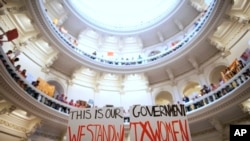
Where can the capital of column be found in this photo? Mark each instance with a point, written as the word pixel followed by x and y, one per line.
pixel 70 82
pixel 52 59
pixel 199 5
pixel 7 109
pixel 35 123
pixel 45 69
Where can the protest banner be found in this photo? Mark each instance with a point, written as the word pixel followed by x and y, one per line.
pixel 96 124
pixel 159 123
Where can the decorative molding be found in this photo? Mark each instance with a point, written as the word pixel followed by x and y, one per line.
pixel 13 92
pixel 8 110
pixel 35 124
pixel 218 125
pixel 52 59
pixel 199 5
pixel 12 126
pixel 45 69
pixel 46 28
pixel 10 90
pixel 203 132
pixel 225 126
pixel 47 135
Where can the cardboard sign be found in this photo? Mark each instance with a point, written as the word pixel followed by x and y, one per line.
pixel 159 123
pixel 96 124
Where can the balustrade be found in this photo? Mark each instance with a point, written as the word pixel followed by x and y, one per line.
pixel 188 37
pixel 201 102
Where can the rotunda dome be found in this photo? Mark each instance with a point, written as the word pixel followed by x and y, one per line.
pixel 124 16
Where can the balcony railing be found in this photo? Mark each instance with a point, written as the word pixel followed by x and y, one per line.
pixel 222 91
pixel 214 96
pixel 199 24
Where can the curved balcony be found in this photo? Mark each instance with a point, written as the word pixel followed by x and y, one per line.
pixel 199 24
pixel 233 92
pixel 62 43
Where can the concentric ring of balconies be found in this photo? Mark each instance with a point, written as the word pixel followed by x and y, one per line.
pixel 198 25
pixel 236 88
pixel 119 66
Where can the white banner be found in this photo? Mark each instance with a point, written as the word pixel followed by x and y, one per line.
pixel 159 123
pixel 96 124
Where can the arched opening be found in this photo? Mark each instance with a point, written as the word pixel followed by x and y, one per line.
pixel 163 98
pixel 58 87
pixel 191 89
pixel 215 75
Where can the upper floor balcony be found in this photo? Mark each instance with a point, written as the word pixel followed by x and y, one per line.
pixel 223 103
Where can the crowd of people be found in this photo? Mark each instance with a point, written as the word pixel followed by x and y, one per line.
pixel 13 58
pixel 78 103
pixel 207 89
pixel 19 75
pixel 22 72
pixel 63 98
pixel 147 55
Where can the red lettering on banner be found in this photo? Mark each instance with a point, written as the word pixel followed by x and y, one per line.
pixel 169 131
pixel 92 133
pixel 97 133
pixel 134 124
pixel 166 131
pixel 116 135
pixel 145 131
pixel 73 137
pixel 184 131
pixel 175 132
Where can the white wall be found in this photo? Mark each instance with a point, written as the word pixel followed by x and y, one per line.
pixel 103 98
pixel 137 97
pixel 77 92
pixel 239 48
pixel 32 68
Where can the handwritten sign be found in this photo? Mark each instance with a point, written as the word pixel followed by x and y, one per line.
pixel 159 123
pixel 96 124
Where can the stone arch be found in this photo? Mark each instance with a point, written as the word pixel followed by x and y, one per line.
pixel 211 69
pixel 163 98
pixel 191 89
pixel 215 74
pixel 58 87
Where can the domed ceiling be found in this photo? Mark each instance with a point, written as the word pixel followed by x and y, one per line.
pixel 171 34
pixel 124 16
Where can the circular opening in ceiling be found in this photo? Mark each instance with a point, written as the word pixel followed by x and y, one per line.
pixel 124 15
